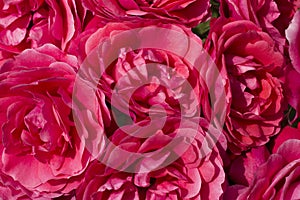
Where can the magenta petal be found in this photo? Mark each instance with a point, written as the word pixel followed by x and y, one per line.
pixel 293 88
pixel 36 172
pixel 129 4
pixel 27 58
pixel 293 36
pixel 294 191
pixel 16 32
pixel 286 134
pixel 233 192
pixel 290 150
pixel 243 169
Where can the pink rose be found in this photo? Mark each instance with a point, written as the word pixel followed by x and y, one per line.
pixel 189 12
pixel 151 102
pixel 187 178
pixel 41 153
pixel 262 13
pixel 252 62
pixel 32 23
pixel 278 177
pixel 156 84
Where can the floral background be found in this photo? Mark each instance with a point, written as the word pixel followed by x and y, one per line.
pixel 49 153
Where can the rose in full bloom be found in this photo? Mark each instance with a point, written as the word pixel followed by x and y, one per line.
pixel 252 62
pixel 278 177
pixel 272 16
pixel 170 82
pixel 161 104
pixel 187 178
pixel 41 153
pixel 263 13
pixel 32 23
pixel 189 12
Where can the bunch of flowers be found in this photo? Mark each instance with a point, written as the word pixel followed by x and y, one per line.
pixel 150 99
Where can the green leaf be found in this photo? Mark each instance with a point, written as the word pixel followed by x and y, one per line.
pixel 215 6
pixel 202 30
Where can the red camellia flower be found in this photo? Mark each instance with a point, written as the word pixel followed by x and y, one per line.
pixel 41 153
pixel 251 60
pixel 32 23
pixel 189 12
pixel 278 177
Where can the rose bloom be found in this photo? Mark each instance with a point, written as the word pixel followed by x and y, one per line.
pixel 278 176
pixel 172 83
pixel 32 23
pixel 155 108
pixel 41 153
pixel 252 61
pixel 272 16
pixel 183 77
pixel 187 178
pixel 189 12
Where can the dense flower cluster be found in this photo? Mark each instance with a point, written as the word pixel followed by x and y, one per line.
pixel 150 99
